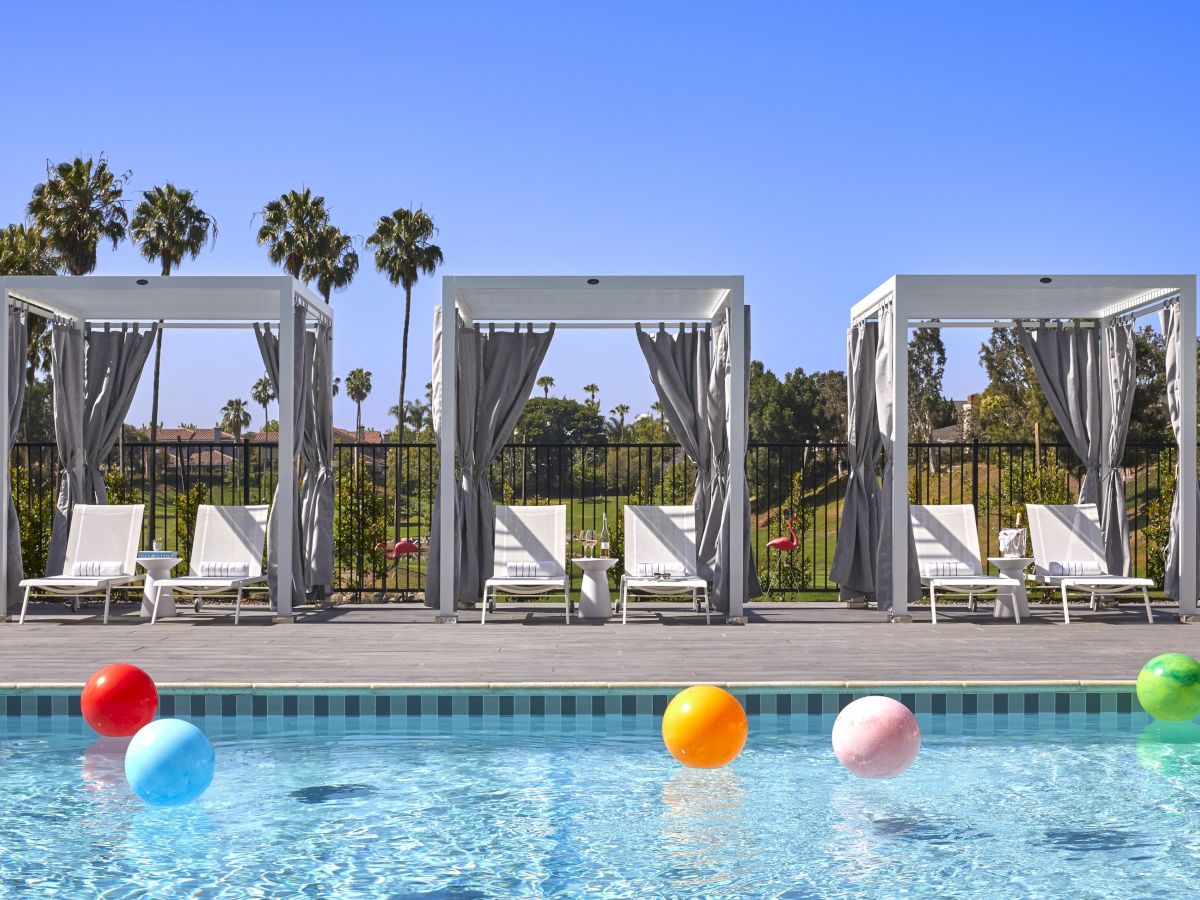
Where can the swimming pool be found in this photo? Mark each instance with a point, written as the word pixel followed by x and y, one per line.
pixel 1029 796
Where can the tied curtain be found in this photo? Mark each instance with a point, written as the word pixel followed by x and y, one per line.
pixel 316 497
pixel 18 337
pixel 689 373
pixel 1177 370
pixel 95 377
pixel 304 348
pixel 1073 368
pixel 885 393
pixel 853 567
pixel 495 375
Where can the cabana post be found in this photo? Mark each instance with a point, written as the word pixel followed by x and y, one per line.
pixel 184 302
pixel 1030 302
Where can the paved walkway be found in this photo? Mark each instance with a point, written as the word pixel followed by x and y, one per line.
pixel 401 644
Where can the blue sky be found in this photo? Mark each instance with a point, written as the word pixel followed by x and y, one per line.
pixel 814 148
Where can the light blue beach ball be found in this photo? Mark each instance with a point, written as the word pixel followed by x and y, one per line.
pixel 169 762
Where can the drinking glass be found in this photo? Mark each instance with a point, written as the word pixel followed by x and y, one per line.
pixel 589 543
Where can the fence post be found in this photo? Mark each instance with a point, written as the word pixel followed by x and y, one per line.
pixel 975 471
pixel 245 471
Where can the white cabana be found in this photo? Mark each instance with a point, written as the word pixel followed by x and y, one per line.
pixel 129 307
pixel 505 323
pixel 1077 330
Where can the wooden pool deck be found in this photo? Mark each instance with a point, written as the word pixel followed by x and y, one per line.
pixel 402 645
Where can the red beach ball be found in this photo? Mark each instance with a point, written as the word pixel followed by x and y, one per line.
pixel 118 700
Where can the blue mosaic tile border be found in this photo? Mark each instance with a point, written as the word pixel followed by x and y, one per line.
pixel 608 703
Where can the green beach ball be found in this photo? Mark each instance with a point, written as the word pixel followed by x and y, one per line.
pixel 1168 687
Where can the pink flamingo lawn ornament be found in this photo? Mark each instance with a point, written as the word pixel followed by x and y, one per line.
pixel 402 548
pixel 786 544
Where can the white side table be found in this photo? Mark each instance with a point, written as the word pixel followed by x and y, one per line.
pixel 157 568
pixel 595 602
pixel 1011 567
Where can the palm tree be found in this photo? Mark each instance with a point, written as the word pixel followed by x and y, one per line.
pixel 404 253
pixel 263 393
pixel 657 407
pixel 167 226
pixel 545 383
pixel 332 263
pixel 337 384
pixel 291 230
pixel 591 390
pixel 235 417
pixel 77 206
pixel 27 251
pixel 417 414
pixel 358 388
pixel 621 410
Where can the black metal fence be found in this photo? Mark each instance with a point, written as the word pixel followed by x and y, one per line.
pixel 385 492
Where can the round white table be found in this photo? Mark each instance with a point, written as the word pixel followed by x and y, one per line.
pixel 1011 567
pixel 157 568
pixel 595 602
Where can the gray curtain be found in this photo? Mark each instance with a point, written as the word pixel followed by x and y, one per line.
pixel 316 499
pixel 1067 363
pixel 268 345
pixel 1121 372
pixel 18 336
pixel 853 566
pixel 66 372
pixel 1177 370
pixel 95 378
pixel 495 375
pixel 885 392
pixel 717 414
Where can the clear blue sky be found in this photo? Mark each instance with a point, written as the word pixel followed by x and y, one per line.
pixel 814 148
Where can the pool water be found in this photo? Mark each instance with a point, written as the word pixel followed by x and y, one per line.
pixel 1038 806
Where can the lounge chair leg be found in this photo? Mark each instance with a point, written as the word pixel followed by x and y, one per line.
pixel 1066 612
pixel 1092 601
pixel 624 605
pixel 1149 612
pixel 237 606
pixel 483 614
pixel 933 603
pixel 567 604
pixel 107 601
pixel 154 604
pixel 24 606
pixel 1016 605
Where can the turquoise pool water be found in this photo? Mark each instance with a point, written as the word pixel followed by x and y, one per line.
pixel 998 805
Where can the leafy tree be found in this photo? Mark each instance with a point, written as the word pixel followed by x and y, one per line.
pixel 235 417
pixel 332 262
pixel 404 252
pixel 545 382
pixel 291 230
pixel 358 388
pixel 619 412
pixel 1013 401
pixel 927 407
pixel 167 226
pixel 1150 422
pixel 799 408
pixel 263 393
pixel 559 420
pixel 78 205
pixel 187 507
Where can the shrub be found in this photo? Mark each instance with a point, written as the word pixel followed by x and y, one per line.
pixel 793 571
pixel 34 498
pixel 187 505
pixel 1158 526
pixel 360 522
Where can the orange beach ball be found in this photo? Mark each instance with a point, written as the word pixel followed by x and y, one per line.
pixel 705 727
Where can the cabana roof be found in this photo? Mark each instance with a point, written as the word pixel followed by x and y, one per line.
pixel 214 300
pixel 983 300
pixel 568 299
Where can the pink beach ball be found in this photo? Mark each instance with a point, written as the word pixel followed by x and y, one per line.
pixel 876 737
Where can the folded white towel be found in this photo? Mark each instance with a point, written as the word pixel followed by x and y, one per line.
pixel 943 570
pixel 650 570
pixel 530 569
pixel 96 569
pixel 224 569
pixel 1075 567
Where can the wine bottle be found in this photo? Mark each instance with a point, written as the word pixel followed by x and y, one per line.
pixel 604 536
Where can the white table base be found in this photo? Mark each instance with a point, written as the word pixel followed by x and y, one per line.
pixel 156 570
pixel 595 600
pixel 1014 568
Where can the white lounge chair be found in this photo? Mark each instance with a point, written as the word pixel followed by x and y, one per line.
pixel 101 554
pixel 1068 553
pixel 227 554
pixel 530 555
pixel 661 541
pixel 948 555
